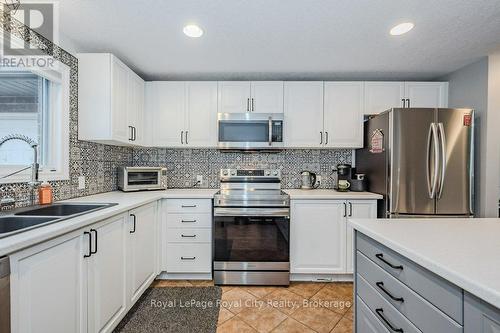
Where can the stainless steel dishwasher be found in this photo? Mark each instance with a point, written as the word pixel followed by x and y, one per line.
pixel 4 295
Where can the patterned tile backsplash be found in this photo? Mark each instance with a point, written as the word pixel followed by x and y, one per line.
pixel 183 165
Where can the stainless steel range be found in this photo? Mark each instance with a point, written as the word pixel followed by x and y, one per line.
pixel 251 229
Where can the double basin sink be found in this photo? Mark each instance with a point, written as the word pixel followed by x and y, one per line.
pixel 34 217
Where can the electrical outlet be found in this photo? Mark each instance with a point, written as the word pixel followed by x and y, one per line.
pixel 81 182
pixel 202 183
pixel 318 179
pixel 199 178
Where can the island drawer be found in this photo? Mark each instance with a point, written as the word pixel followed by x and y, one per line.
pixel 366 321
pixel 189 220
pixel 425 316
pixel 383 310
pixel 191 235
pixel 189 206
pixel 439 292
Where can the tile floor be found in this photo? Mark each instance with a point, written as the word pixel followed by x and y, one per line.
pixel 302 307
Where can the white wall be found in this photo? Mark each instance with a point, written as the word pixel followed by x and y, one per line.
pixel 492 174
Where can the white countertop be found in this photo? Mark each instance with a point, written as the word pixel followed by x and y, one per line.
pixel 465 252
pixel 124 201
pixel 319 194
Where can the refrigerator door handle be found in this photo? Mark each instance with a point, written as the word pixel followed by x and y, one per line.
pixel 432 138
pixel 443 155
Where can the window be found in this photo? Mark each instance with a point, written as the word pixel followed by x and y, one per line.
pixel 34 104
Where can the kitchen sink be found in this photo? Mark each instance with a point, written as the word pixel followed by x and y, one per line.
pixel 9 224
pixel 62 210
pixel 26 219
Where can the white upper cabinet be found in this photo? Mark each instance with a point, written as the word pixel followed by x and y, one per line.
pixel 110 106
pixel 303 105
pixel 247 96
pixel 201 106
pixel 234 96
pixel 383 95
pixel 343 114
pixel 426 94
pixel 267 97
pixel 182 114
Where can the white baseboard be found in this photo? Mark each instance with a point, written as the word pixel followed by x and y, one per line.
pixel 184 276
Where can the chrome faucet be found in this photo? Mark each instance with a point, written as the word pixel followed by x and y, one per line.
pixel 35 167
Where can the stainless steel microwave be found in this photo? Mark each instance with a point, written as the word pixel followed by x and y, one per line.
pixel 250 131
pixel 142 178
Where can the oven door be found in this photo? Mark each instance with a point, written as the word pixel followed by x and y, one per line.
pixel 250 131
pixel 251 239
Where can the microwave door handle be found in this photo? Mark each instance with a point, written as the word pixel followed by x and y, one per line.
pixel 270 131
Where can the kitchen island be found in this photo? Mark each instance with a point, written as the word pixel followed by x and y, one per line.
pixel 427 275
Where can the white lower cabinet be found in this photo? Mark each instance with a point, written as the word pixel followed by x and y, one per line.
pixel 142 250
pixel 107 275
pixel 48 286
pixel 320 240
pixel 86 280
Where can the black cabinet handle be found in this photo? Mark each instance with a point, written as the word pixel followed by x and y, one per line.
pixel 408 100
pixel 134 131
pixel 188 258
pixel 188 221
pixel 90 244
pixel 95 251
pixel 381 257
pixel 321 138
pixel 350 209
pixel 345 209
pixel 248 104
pixel 135 218
pixel 188 236
pixel 404 102
pixel 188 206
pixel 253 105
pixel 131 133
pixel 187 137
pixel 326 140
pixel 182 137
pixel 380 285
pixel 380 313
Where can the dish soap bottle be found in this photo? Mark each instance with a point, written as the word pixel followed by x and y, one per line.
pixel 45 194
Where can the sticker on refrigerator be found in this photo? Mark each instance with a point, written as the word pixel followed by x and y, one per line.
pixel 377 142
pixel 467 120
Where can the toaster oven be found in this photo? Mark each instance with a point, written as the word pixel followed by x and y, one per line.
pixel 142 178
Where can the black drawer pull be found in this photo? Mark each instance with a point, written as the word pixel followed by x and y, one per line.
pixel 188 236
pixel 188 258
pixel 380 313
pixel 188 221
pixel 381 257
pixel 188 206
pixel 380 285
pixel 90 244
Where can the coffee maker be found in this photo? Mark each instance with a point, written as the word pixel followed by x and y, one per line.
pixel 344 176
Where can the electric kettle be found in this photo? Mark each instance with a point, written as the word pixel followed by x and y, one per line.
pixel 308 179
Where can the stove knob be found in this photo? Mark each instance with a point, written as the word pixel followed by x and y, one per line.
pixel 275 172
pixel 268 173
pixel 224 172
pixel 233 172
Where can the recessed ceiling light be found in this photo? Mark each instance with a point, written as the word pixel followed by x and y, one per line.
pixel 402 28
pixel 192 30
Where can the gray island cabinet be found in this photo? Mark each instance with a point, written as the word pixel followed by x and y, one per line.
pixel 395 294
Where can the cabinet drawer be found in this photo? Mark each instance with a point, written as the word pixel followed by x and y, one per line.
pixel 366 321
pixel 382 309
pixel 420 312
pixel 189 220
pixel 442 294
pixel 189 206
pixel 189 235
pixel 189 258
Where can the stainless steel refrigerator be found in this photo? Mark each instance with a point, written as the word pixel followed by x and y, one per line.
pixel 421 160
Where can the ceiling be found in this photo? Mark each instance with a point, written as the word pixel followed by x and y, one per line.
pixel 285 39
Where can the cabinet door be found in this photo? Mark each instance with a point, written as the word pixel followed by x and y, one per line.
pixel 317 237
pixel 234 96
pixel 48 286
pixel 381 96
pixel 357 209
pixel 141 249
pixel 303 114
pixel 479 316
pixel 201 114
pixel 135 106
pixel 167 113
pixel 107 296
pixel 343 114
pixel 119 90
pixel 427 94
pixel 267 97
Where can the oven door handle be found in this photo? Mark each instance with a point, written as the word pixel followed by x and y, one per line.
pixel 252 212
